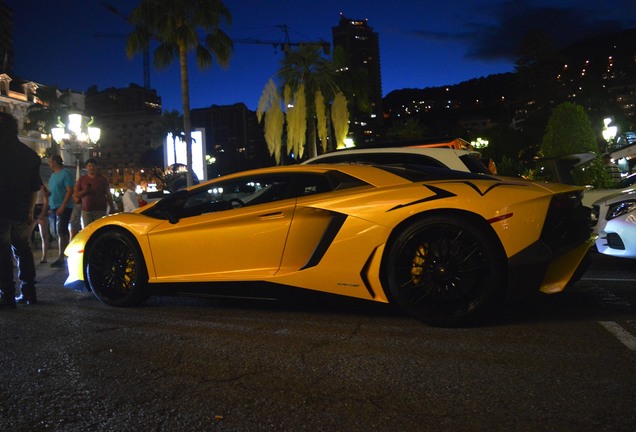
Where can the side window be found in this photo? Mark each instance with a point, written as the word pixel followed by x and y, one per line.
pixel 406 158
pixel 309 184
pixel 383 158
pixel 312 184
pixel 253 190
pixel 423 161
pixel 230 195
pixel 248 191
pixel 202 201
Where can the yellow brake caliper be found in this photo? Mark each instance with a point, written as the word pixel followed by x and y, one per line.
pixel 417 265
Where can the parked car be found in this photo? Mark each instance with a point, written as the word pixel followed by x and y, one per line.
pixel 444 245
pixel 460 160
pixel 560 169
pixel 625 185
pixel 615 224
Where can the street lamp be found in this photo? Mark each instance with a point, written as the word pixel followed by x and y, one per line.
pixel 76 135
pixel 609 132
pixel 480 143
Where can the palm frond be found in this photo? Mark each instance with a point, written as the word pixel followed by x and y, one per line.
pixel 165 54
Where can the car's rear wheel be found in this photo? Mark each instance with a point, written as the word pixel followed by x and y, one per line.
pixel 445 271
pixel 115 269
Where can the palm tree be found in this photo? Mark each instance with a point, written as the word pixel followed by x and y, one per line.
pixel 308 83
pixel 171 122
pixel 175 24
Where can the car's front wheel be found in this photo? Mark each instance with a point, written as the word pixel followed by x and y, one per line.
pixel 115 269
pixel 445 271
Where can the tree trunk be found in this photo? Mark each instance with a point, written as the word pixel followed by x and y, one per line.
pixel 185 98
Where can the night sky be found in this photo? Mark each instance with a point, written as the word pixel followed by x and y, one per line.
pixel 79 43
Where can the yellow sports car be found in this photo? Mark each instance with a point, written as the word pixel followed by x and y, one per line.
pixel 444 245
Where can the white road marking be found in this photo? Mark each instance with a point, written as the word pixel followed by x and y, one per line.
pixel 625 337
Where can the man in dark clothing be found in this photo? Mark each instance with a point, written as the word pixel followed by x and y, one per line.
pixel 19 183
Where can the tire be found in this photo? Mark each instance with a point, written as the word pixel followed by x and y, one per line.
pixel 115 270
pixel 445 271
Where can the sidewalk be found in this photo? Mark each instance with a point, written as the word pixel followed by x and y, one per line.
pixel 44 270
pixel 49 281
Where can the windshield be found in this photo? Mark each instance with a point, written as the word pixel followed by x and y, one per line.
pixel 416 173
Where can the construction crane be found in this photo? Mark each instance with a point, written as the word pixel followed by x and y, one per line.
pixel 286 44
pixel 146 52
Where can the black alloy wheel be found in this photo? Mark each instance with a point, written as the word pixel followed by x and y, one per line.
pixel 115 270
pixel 445 271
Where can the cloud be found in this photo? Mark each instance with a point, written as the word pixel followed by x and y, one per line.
pixel 504 26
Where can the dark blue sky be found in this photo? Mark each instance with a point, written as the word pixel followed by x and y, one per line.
pixel 422 43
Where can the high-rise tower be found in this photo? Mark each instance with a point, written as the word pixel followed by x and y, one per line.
pixel 361 48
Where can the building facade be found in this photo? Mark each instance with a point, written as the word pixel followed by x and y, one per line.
pixel 16 98
pixel 130 121
pixel 234 139
pixel 361 48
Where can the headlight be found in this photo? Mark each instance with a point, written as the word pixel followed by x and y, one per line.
pixel 620 208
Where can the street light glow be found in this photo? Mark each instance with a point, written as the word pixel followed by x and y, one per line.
pixel 609 132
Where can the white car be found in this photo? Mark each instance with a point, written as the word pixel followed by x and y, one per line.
pixel 458 160
pixel 615 218
pixel 627 184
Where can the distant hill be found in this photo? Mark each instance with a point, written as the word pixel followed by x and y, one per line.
pixel 489 90
pixel 590 54
pixel 595 52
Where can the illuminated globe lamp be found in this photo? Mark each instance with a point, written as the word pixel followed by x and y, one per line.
pixel 479 143
pixel 609 132
pixel 76 135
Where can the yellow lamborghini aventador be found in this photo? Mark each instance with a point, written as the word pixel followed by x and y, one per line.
pixel 444 245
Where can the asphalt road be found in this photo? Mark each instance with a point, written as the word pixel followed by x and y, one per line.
pixel 554 363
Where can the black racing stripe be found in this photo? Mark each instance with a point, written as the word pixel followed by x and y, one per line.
pixel 489 188
pixel 337 220
pixel 365 271
pixel 439 194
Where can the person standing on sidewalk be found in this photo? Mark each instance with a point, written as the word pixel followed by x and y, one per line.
pixel 94 192
pixel 61 203
pixel 612 170
pixel 19 183
pixel 41 219
pixel 130 199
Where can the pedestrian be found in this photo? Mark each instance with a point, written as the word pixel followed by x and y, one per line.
pixel 75 223
pixel 130 199
pixel 41 219
pixel 94 192
pixel 61 203
pixel 19 183
pixel 611 168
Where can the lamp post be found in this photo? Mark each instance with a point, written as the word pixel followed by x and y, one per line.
pixel 75 136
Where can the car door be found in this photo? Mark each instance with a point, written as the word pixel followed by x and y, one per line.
pixel 226 231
